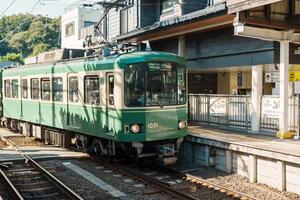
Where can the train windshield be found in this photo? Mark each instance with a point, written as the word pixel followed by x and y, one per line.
pixel 155 84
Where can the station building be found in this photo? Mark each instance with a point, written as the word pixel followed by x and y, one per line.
pixel 242 58
pixel 220 59
pixel 243 61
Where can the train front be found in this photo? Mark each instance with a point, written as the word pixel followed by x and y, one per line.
pixel 155 106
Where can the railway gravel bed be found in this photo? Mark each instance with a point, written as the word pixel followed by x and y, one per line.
pixel 24 141
pixel 131 185
pixel 89 191
pixel 2 144
pixel 242 184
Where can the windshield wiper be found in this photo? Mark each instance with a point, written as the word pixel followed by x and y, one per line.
pixel 161 106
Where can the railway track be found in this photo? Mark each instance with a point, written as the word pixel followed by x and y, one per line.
pixel 177 185
pixel 29 180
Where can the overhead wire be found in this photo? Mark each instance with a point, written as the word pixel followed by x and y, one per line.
pixel 7 8
pixel 76 4
pixel 33 8
pixel 30 20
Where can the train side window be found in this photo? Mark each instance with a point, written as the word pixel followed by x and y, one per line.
pixel 57 89
pixel 91 90
pixel 35 88
pixel 73 89
pixel 45 89
pixel 7 88
pixel 24 88
pixel 111 85
pixel 14 88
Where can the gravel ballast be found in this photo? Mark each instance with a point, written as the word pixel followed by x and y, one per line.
pixel 89 191
pixel 239 183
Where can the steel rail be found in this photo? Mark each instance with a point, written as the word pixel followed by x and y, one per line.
pixel 63 188
pixel 11 186
pixel 160 184
pixel 145 179
pixel 229 192
pixel 205 183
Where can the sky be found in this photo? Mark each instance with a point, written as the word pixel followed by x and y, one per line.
pixel 51 8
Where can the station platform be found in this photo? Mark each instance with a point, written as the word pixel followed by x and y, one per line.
pixel 247 142
pixel 36 152
pixel 263 159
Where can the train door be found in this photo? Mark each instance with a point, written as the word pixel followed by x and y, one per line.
pixel 23 93
pixel 73 101
pixel 110 82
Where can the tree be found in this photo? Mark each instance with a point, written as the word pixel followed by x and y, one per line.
pixel 40 48
pixel 27 35
pixel 11 57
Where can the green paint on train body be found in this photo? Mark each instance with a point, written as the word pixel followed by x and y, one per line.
pixel 108 63
pixel 156 123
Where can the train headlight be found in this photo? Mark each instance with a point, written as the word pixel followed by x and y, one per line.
pixel 135 128
pixel 181 125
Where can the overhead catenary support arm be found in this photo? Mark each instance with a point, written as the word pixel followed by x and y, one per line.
pixel 107 7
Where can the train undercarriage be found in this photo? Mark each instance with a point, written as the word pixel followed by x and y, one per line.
pixel 163 152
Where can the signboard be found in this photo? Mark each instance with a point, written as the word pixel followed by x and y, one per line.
pixel 294 76
pixel 217 106
pixel 270 107
pixel 271 77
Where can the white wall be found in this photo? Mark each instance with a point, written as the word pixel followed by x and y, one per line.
pixel 114 20
pixel 78 16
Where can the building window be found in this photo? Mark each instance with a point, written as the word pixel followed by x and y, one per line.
pixel 73 89
pixel 24 88
pixel 15 89
pixel 167 6
pixel 46 89
pixel 57 89
pixel 91 90
pixel 7 88
pixel 124 21
pixel 88 23
pixel 35 88
pixel 70 29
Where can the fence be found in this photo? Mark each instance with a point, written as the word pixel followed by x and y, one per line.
pixel 235 111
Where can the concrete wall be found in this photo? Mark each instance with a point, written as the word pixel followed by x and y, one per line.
pixel 114 20
pixel 265 170
pixel 78 16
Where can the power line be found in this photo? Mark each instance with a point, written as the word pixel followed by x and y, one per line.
pixel 12 27
pixel 33 8
pixel 7 8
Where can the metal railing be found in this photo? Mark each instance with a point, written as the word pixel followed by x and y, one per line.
pixel 235 111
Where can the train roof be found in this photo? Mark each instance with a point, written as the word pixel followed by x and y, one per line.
pixel 92 64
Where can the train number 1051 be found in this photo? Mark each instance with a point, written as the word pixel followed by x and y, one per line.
pixel 153 125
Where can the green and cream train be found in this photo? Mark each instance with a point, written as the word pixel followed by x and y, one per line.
pixel 134 103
